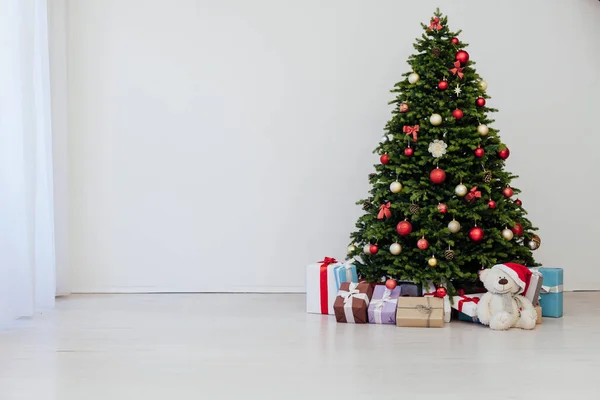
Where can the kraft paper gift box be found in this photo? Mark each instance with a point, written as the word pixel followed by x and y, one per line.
pixel 551 294
pixel 423 312
pixel 429 290
pixel 323 280
pixel 382 309
pixel 352 302
pixel 538 311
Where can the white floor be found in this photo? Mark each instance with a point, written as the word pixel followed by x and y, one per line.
pixel 210 346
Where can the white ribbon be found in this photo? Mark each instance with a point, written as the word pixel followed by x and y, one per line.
pixel 348 296
pixel 552 289
pixel 379 303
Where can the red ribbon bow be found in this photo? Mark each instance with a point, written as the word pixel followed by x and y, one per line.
pixel 473 193
pixel 411 130
pixel 326 261
pixel 466 299
pixel 457 70
pixel 435 24
pixel 384 211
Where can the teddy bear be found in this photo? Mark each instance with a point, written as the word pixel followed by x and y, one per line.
pixel 503 307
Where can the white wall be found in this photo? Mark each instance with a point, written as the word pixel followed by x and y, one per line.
pixel 221 145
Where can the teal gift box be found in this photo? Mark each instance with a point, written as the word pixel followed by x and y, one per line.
pixel 465 317
pixel 551 295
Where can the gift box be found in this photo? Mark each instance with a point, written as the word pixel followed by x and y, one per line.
pixel 551 294
pixel 535 286
pixel 467 318
pixel 424 312
pixel 466 305
pixel 430 290
pixel 323 280
pixel 382 309
pixel 410 289
pixel 352 302
pixel 538 311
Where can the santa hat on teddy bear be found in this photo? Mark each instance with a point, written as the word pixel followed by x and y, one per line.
pixel 519 273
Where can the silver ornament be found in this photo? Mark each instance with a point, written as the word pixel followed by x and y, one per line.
pixel 413 78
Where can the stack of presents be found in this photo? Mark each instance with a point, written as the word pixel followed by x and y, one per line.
pixel 334 288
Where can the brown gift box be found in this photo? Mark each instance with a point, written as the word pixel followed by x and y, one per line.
pixel 423 312
pixel 356 296
pixel 538 310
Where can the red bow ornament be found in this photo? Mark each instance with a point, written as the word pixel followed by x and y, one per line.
pixel 411 130
pixel 384 211
pixel 435 25
pixel 473 194
pixel 457 70
pixel 326 261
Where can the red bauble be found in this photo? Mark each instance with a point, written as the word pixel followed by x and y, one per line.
pixel 373 249
pixel 457 114
pixel 385 159
pixel 423 244
pixel 507 192
pixel 518 202
pixel 462 57
pixel 517 229
pixel 480 102
pixel 504 153
pixel 437 176
pixel 443 85
pixel 476 234
pixel 441 292
pixel 491 204
pixel 442 208
pixel 391 284
pixel 404 228
pixel 403 107
pixel 408 152
pixel 479 152
pixel 454 40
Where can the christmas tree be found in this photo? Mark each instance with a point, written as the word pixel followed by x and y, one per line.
pixel 441 205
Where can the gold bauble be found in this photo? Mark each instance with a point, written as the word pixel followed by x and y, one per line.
pixel 432 261
pixel 435 119
pixel 395 187
pixel 454 226
pixel 482 129
pixel 351 248
pixel 507 234
pixel 461 190
pixel 395 249
pixel 482 85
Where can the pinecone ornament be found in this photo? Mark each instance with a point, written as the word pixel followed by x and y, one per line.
pixel 366 205
pixel 449 254
pixel 414 209
pixel 436 51
pixel 487 176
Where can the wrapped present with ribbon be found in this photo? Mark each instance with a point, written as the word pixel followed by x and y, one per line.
pixel 551 292
pixel 420 312
pixel 467 304
pixel 410 289
pixel 352 302
pixel 429 289
pixel 323 280
pixel 538 311
pixel 382 309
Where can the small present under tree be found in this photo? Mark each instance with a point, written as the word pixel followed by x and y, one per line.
pixel 441 206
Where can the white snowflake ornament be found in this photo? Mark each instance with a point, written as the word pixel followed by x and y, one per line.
pixel 437 148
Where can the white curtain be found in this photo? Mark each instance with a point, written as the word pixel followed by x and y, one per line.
pixel 27 255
